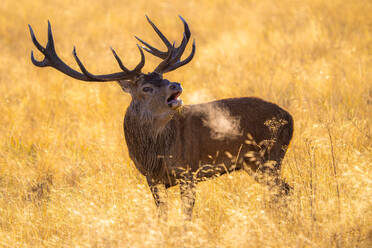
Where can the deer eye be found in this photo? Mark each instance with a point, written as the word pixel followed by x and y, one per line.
pixel 147 89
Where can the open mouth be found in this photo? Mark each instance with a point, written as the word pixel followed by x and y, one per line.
pixel 173 101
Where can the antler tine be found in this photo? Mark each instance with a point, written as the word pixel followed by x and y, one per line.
pixel 179 51
pixel 82 68
pixel 50 44
pixel 166 62
pixel 183 62
pixel 162 37
pixel 119 60
pixel 156 52
pixel 172 57
pixel 39 47
pixel 150 49
pixel 138 67
pixel 141 64
pixel 186 27
pixel 51 59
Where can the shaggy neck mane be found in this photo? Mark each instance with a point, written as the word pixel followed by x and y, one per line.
pixel 148 139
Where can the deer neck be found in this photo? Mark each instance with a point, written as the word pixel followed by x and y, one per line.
pixel 149 138
pixel 154 125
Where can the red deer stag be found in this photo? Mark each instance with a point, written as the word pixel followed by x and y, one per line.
pixel 172 144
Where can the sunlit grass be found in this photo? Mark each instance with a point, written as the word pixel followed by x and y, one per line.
pixel 65 176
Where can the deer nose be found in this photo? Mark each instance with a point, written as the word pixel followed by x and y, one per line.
pixel 175 86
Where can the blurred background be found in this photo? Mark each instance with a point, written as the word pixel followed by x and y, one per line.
pixel 65 176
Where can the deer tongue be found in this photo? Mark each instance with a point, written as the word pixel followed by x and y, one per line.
pixel 173 100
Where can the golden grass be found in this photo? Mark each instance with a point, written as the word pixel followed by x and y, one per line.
pixel 65 176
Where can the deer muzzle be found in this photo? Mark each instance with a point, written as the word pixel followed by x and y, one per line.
pixel 173 100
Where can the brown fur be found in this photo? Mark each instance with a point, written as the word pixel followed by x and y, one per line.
pixel 185 151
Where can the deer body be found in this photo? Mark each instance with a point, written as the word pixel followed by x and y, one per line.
pixel 172 144
pixel 186 150
pixel 187 142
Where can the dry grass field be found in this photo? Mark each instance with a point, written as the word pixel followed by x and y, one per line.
pixel 65 176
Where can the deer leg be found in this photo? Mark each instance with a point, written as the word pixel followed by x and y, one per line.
pixel 268 173
pixel 276 155
pixel 187 189
pixel 271 177
pixel 265 165
pixel 159 193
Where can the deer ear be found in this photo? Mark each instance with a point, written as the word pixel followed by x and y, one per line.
pixel 126 85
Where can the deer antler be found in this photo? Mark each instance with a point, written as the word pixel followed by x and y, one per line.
pixel 172 57
pixel 51 59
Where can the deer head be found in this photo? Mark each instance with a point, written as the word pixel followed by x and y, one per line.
pixel 151 93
